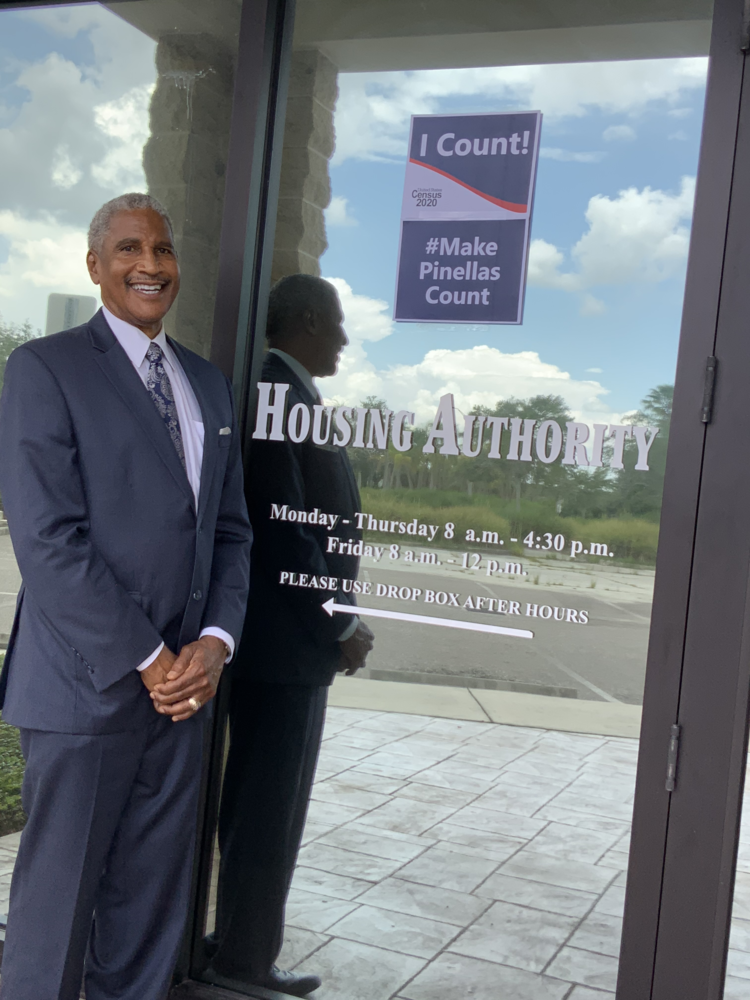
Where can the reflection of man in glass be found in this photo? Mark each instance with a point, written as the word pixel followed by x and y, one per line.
pixel 292 648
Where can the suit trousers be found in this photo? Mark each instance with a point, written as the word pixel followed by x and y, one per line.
pixel 275 736
pixel 102 878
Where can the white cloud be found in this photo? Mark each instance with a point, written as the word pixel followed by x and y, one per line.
pixel 95 113
pixel 44 256
pixel 476 376
pixel 337 213
pixel 75 140
pixel 594 371
pixel 125 121
pixel 591 306
pixel 545 267
pixel 552 153
pixel 65 174
pixel 680 112
pixel 618 133
pixel 634 237
pixel 680 135
pixel 373 109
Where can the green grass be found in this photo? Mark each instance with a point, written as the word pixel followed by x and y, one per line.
pixel 632 540
pixel 12 816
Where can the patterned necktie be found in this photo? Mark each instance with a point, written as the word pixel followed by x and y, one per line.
pixel 160 390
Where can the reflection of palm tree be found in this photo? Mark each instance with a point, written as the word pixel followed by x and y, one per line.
pixel 530 489
pixel 656 408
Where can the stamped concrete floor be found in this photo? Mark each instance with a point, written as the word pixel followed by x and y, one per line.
pixel 447 859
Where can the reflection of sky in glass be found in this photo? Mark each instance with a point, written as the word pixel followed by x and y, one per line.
pixel 609 313
pixel 74 89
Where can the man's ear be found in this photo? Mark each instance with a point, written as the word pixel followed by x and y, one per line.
pixel 310 321
pixel 92 263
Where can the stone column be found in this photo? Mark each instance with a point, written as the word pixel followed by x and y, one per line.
pixel 185 163
pixel 305 189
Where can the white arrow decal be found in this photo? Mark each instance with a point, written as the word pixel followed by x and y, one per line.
pixel 347 609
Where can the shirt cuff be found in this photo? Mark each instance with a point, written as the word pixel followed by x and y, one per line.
pixel 350 629
pixel 220 634
pixel 149 660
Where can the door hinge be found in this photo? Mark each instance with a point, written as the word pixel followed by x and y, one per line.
pixel 745 39
pixel 672 755
pixel 709 381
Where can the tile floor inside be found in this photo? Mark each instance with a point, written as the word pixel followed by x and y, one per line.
pixel 447 860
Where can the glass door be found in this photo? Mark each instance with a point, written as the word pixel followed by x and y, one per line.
pixel 489 491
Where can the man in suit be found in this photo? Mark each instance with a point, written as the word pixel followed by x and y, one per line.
pixel 121 477
pixel 291 648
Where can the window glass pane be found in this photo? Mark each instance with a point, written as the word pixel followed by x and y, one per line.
pixel 96 102
pixel 471 808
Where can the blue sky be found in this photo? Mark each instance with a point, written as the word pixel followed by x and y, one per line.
pixel 631 333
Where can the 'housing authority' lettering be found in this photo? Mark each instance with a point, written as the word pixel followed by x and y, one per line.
pixel 514 439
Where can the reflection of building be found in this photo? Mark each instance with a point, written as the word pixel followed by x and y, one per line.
pixel 66 311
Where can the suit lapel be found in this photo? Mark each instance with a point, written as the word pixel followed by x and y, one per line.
pixel 116 365
pixel 210 423
pixel 280 371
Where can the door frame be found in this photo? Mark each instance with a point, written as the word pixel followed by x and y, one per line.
pixel 706 689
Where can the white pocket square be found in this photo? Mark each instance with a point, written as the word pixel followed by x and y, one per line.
pixel 224 430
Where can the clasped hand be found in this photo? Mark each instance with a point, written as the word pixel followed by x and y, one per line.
pixel 354 650
pixel 173 680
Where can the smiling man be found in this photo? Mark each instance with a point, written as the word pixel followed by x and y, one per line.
pixel 121 477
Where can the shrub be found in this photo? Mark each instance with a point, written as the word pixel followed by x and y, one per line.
pixel 631 539
pixel 12 817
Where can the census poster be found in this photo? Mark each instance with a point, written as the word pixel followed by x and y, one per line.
pixel 465 218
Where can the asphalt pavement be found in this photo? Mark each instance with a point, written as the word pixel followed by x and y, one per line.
pixel 603 659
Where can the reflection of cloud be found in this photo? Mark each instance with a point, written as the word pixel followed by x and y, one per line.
pixel 73 140
pixel 567 155
pixel 65 174
pixel 44 256
pixel 96 115
pixel 125 121
pixel 618 133
pixel 337 213
pixel 477 376
pixel 591 306
pixel 637 236
pixel 373 109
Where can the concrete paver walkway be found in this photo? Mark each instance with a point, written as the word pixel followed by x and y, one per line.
pixel 447 859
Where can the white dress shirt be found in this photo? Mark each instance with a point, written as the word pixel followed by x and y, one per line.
pixel 135 343
pixel 307 380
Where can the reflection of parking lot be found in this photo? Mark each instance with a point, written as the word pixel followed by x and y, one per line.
pixel 603 659
pixel 10 581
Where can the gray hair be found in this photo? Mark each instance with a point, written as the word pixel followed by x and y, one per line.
pixel 123 203
pixel 291 296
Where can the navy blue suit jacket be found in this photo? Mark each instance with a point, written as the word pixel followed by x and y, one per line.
pixel 113 554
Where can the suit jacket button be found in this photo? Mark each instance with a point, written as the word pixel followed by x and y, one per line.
pixel 197 595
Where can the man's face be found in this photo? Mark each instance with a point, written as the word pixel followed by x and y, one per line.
pixel 330 339
pixel 137 269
